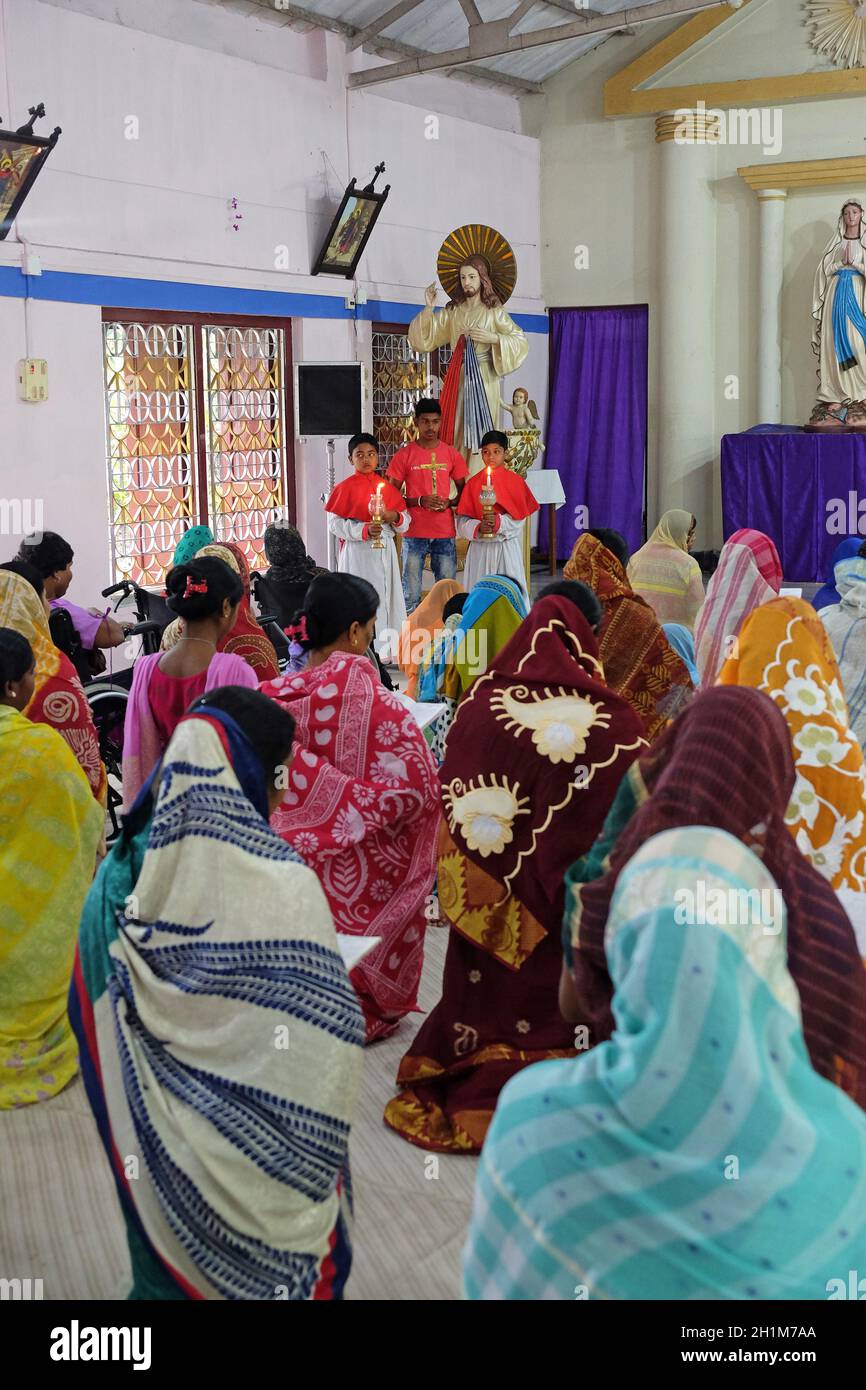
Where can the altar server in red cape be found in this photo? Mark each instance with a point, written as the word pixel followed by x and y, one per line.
pixel 349 518
pixel 496 545
pixel 533 761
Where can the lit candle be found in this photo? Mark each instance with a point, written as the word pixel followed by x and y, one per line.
pixel 488 475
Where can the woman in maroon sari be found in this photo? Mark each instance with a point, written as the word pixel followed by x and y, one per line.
pixel 533 761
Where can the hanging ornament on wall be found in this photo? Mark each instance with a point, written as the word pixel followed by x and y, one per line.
pixel 839 31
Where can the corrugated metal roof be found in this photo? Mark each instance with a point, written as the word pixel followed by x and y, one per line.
pixel 437 26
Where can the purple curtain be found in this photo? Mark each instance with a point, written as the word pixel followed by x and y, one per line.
pixel 597 425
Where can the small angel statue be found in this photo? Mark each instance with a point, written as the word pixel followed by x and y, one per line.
pixel 523 411
pixel 524 435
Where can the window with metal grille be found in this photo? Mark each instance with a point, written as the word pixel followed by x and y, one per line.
pixel 401 377
pixel 196 410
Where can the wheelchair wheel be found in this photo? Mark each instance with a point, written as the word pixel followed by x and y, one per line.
pixel 108 707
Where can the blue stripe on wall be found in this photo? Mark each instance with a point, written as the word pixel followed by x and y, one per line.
pixel 128 293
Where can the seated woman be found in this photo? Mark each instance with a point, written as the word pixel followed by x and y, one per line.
pixel 639 662
pixel 190 543
pixel 683 642
pixel 845 622
pixel 363 800
pixel 291 571
pixel 534 758
pixel 664 574
pixel 50 830
pixel 58 699
pixel 783 649
pixel 491 614
pixel 828 595
pixel 206 594
pixel 421 629
pixel 52 556
pixel 488 616
pixel 246 638
pixel 220 1035
pixel 609 1175
pixel 749 573
pixel 742 746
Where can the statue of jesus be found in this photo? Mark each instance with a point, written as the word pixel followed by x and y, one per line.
pixel 492 346
pixel 839 332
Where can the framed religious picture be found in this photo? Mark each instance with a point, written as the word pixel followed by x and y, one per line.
pixel 22 155
pixel 350 230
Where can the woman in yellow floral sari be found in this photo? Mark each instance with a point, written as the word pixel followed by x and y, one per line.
pixel 783 649
pixel 50 827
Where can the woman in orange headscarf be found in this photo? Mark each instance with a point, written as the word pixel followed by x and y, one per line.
pixel 639 662
pixel 783 649
pixel 423 624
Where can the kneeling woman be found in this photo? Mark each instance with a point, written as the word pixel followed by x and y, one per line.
pixel 220 1047
pixel 533 761
pixel 206 594
pixel 363 800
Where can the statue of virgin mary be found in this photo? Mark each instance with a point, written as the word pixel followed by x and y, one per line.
pixel 839 332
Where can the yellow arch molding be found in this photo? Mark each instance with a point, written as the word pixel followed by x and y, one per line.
pixel 621 97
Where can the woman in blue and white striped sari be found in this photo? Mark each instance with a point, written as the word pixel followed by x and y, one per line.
pixel 696 1154
pixel 220 1035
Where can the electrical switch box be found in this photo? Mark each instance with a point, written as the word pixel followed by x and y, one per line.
pixel 33 379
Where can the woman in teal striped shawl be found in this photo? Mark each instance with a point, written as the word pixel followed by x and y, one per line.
pixel 696 1154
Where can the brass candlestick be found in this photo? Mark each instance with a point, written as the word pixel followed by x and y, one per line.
pixel 487 498
pixel 376 509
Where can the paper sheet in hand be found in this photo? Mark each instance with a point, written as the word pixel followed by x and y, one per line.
pixel 354 948
pixel 424 714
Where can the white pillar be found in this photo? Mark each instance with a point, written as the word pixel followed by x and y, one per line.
pixel 687 390
pixel 772 268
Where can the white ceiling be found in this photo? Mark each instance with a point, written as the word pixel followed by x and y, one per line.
pixel 436 26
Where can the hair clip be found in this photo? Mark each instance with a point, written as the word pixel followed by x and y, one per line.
pixel 298 629
pixel 194 588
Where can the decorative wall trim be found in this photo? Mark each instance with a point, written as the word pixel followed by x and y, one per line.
pixel 624 96
pixel 72 288
pixel 806 173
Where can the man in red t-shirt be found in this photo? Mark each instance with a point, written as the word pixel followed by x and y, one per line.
pixel 425 471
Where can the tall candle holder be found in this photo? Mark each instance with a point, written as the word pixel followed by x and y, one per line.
pixel 376 509
pixel 487 498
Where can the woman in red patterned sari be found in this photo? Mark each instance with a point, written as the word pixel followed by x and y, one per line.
pixel 533 760
pixel 362 805
pixel 58 700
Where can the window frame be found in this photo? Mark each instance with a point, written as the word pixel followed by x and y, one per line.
pixel 197 321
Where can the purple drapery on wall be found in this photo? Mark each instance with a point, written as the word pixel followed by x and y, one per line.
pixel 597 426
pixel 792 485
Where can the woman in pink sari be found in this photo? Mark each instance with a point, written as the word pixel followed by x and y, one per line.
pixel 206 594
pixel 362 805
pixel 748 574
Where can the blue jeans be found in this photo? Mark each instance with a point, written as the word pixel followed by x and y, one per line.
pixel 443 562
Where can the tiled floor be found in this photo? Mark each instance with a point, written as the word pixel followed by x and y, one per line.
pixel 60 1220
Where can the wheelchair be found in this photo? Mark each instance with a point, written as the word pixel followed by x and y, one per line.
pixel 107 695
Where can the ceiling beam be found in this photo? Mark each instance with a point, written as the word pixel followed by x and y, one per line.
pixel 470 9
pixel 569 7
pixel 382 47
pixel 516 15
pixel 491 40
pixel 378 25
